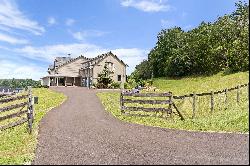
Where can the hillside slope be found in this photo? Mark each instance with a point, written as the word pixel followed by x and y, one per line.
pixel 231 117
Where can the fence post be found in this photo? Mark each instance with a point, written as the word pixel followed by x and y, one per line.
pixel 248 93
pixel 238 94
pixel 30 110
pixel 194 104
pixel 212 101
pixel 226 99
pixel 170 104
pixel 121 103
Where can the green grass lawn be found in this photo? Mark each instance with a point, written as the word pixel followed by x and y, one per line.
pixel 233 118
pixel 201 84
pixel 17 146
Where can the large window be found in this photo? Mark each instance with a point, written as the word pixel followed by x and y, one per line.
pixel 119 77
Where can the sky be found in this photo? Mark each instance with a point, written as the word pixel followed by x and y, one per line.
pixel 34 32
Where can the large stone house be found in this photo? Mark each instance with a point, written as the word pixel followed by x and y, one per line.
pixel 82 71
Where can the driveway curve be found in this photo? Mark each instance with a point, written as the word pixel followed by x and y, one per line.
pixel 80 131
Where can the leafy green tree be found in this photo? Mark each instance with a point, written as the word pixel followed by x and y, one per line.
pixel 104 79
pixel 207 49
pixel 143 71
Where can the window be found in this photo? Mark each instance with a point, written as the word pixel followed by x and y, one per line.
pixel 110 66
pixel 119 77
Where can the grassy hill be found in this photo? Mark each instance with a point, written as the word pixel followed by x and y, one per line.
pixel 225 118
pixel 201 84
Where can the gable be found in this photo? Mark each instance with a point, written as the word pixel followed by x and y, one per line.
pixel 111 55
pixel 71 68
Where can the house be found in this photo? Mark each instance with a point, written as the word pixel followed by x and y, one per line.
pixel 82 71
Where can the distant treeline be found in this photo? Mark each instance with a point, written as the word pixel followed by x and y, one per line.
pixel 207 49
pixel 19 83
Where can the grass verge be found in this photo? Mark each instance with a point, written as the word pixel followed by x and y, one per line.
pixel 17 146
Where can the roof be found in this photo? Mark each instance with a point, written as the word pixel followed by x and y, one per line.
pixel 57 75
pixel 73 59
pixel 61 61
pixel 51 67
pixel 99 58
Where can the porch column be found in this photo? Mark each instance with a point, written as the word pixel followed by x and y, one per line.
pixel 65 81
pixel 56 81
pixel 74 81
pixel 49 81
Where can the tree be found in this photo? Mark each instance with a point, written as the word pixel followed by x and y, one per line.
pixel 142 71
pixel 104 78
pixel 209 48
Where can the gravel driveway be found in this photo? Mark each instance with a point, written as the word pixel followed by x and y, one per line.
pixel 81 132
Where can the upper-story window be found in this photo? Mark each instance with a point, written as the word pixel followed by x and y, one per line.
pixel 111 66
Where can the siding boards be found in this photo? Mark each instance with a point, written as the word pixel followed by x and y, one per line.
pixel 72 68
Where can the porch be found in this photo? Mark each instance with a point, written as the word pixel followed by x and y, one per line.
pixel 61 81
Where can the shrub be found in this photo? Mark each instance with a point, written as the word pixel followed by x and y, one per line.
pixel 115 85
pixel 104 80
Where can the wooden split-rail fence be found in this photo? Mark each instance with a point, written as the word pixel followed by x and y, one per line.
pixel 26 107
pixel 169 102
pixel 212 96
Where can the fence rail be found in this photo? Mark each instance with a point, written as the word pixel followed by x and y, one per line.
pixel 147 94
pixel 14 106
pixel 13 98
pixel 171 102
pixel 212 94
pixel 6 98
pixel 168 102
pixel 209 93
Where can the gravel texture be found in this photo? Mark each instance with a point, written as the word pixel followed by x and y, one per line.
pixel 80 131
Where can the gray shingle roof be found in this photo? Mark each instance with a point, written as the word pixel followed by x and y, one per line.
pixel 62 60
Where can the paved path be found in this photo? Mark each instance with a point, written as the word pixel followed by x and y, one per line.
pixel 81 132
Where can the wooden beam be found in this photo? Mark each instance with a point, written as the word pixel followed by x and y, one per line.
pixel 145 109
pixel 147 101
pixel 11 107
pixel 146 94
pixel 13 115
pixel 12 98
pixel 23 120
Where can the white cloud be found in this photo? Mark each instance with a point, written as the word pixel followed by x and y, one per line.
pixel 49 52
pixel 51 20
pixel 12 69
pixel 147 5
pixel 131 56
pixel 12 17
pixel 78 35
pixel 69 21
pixel 12 40
pixel 82 35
